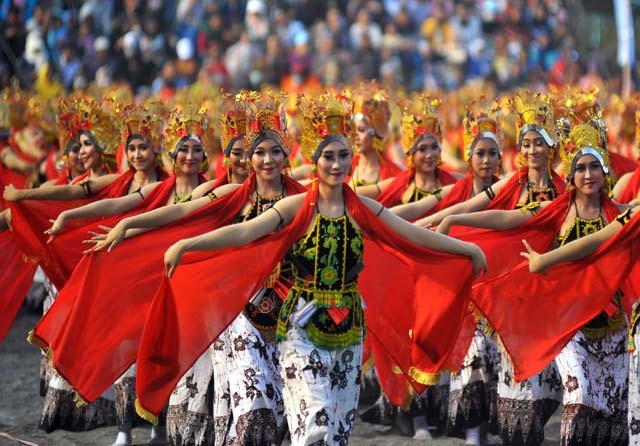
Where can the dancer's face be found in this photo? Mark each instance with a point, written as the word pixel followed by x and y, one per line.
pixel 334 164
pixel 140 154
pixel 535 150
pixel 268 159
pixel 588 176
pixel 189 158
pixel 485 158
pixel 425 158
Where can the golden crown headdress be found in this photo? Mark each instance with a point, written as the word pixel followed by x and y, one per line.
pixel 482 123
pixel 233 119
pixel 534 113
pixel 17 101
pixel 371 104
pixel 324 119
pixel 99 122
pixel 146 121
pixel 68 123
pixel 266 118
pixel 40 113
pixel 583 140
pixel 187 122
pixel 419 118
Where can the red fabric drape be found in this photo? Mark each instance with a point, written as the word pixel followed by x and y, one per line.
pixel 58 258
pixel 461 191
pixel 536 315
pixel 94 322
pixel 413 315
pixel 632 188
pixel 502 250
pixel 392 195
pixel 621 164
pixel 15 281
pixel 27 242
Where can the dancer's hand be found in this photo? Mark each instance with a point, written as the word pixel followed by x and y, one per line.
pixel 534 258
pixel 426 222
pixel 478 260
pixel 173 257
pixel 100 240
pixel 56 227
pixel 11 193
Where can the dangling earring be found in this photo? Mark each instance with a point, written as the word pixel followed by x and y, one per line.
pixel 552 154
pixel 226 161
pixel 410 161
pixel 520 161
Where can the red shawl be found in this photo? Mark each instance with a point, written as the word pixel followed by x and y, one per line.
pixel 58 258
pixel 392 195
pixel 30 219
pixel 15 280
pixel 621 164
pixel 94 322
pixel 537 315
pixel 461 191
pixel 509 195
pixel 632 188
pixel 502 250
pixel 414 314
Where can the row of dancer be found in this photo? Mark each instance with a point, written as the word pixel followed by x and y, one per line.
pixel 534 139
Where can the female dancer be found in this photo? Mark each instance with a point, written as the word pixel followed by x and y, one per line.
pixel 590 364
pixel 536 133
pixel 321 323
pixel 523 409
pixel 481 136
pixel 371 116
pixel 422 139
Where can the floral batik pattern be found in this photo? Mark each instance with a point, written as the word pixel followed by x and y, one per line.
pixel 595 381
pixel 321 389
pixel 473 391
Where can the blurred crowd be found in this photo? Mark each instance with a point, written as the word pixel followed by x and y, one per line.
pixel 158 46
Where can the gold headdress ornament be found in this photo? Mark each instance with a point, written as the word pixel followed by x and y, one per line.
pixel 371 104
pixel 184 124
pixel 17 101
pixel 100 123
pixel 420 118
pixel 534 113
pixel 233 119
pixel 480 124
pixel 267 119
pixel 146 121
pixel 583 140
pixel 324 120
pixel 68 123
pixel 41 114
